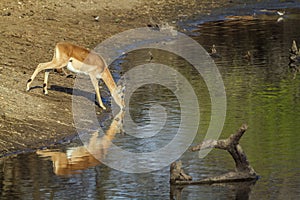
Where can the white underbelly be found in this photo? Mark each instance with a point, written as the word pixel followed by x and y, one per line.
pixel 79 67
pixel 76 70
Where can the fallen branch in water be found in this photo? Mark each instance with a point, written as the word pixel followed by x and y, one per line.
pixel 243 171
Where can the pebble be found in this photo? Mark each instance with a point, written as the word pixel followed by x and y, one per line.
pixel 6 14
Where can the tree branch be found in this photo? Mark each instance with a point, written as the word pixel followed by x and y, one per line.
pixel 243 171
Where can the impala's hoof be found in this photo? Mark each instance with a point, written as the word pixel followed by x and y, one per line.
pixel 27 88
pixel 71 76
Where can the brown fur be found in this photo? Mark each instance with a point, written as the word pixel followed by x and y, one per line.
pixel 87 62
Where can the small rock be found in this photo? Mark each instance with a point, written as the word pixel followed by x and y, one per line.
pixel 6 14
pixel 3 115
pixel 96 18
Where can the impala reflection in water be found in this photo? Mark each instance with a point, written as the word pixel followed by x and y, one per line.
pixel 80 158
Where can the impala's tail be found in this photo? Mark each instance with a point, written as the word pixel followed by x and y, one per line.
pixel 116 93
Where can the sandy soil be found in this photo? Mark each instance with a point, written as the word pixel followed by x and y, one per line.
pixel 29 30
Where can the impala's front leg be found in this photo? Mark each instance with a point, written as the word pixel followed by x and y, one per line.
pixel 95 84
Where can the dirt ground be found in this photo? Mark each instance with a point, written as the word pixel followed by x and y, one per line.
pixel 29 30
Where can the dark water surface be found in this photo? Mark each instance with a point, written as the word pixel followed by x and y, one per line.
pixel 261 91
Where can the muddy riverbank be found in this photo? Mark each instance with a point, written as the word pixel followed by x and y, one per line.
pixel 28 33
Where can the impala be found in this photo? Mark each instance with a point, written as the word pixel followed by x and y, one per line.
pixel 80 60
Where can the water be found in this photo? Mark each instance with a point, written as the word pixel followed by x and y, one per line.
pixel 261 92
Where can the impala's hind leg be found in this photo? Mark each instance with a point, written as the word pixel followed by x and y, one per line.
pixel 44 66
pixel 39 68
pixel 45 85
